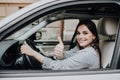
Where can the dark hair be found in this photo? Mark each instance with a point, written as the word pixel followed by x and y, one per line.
pixel 92 27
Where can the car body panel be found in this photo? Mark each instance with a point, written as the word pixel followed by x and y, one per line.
pixel 76 77
pixel 68 75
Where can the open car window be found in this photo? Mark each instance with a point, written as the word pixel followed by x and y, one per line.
pixel 44 31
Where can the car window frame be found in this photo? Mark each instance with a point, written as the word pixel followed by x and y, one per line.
pixel 116 56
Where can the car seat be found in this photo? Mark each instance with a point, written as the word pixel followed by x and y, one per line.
pixel 107 28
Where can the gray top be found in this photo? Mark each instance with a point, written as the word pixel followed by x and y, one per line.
pixel 86 58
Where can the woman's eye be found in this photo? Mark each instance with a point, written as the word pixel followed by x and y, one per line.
pixel 85 33
pixel 78 33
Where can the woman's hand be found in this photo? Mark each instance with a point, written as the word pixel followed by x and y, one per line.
pixel 59 48
pixel 26 49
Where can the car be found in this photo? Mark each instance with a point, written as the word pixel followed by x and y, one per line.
pixel 40 23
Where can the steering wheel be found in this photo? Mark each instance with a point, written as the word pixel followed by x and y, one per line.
pixel 28 62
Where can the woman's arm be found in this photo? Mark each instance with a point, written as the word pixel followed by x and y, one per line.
pixel 81 60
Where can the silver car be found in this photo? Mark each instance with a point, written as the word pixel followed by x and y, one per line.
pixel 40 23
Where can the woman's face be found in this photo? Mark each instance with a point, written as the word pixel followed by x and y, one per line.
pixel 84 36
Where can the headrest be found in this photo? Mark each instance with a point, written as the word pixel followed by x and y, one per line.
pixel 107 26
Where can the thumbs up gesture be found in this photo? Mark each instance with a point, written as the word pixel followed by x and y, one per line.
pixel 59 48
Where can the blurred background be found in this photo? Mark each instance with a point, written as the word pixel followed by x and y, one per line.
pixel 8 7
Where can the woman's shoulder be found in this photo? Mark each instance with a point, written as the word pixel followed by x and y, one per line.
pixel 88 50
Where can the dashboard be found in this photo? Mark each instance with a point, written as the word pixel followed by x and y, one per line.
pixel 9 52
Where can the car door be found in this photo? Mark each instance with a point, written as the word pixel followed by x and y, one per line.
pixel 40 22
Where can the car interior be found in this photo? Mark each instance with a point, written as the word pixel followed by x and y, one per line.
pixel 107 28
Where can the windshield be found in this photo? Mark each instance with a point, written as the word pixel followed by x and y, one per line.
pixel 25 32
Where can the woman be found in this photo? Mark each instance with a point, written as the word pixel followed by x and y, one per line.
pixel 85 55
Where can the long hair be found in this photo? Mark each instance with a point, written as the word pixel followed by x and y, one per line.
pixel 92 27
